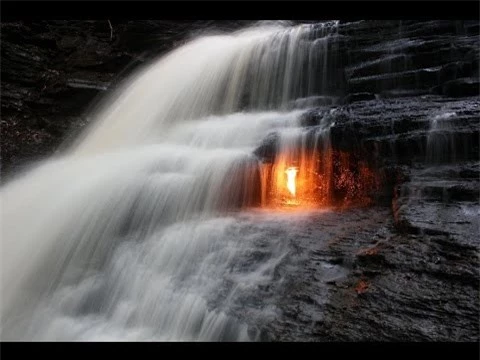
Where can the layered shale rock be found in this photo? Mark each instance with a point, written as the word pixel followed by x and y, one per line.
pixel 411 110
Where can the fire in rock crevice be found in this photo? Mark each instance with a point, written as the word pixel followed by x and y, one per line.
pixel 314 179
pixel 300 180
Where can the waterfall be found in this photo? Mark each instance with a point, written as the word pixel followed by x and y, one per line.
pixel 130 234
pixel 260 68
pixel 440 142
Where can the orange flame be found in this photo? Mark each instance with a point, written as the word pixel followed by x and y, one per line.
pixel 291 180
pixel 312 178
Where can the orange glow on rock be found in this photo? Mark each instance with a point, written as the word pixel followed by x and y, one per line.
pixel 306 179
pixel 292 181
pixel 362 287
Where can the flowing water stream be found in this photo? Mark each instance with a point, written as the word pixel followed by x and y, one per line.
pixel 137 231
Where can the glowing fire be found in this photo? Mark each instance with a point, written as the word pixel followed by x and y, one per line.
pixel 291 180
pixel 311 178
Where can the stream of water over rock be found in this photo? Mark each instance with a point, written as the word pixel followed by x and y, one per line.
pixel 125 236
pixel 209 196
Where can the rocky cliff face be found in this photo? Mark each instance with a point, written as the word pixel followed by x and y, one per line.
pixel 406 100
pixel 409 105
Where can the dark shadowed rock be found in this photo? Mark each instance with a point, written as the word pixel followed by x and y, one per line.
pixel 268 148
pixel 312 118
pixel 462 87
pixel 365 96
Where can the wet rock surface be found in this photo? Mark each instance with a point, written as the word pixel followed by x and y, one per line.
pixel 406 101
pixel 410 271
pixel 351 275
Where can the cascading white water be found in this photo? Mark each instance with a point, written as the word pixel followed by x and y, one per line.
pixel 440 143
pixel 127 236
